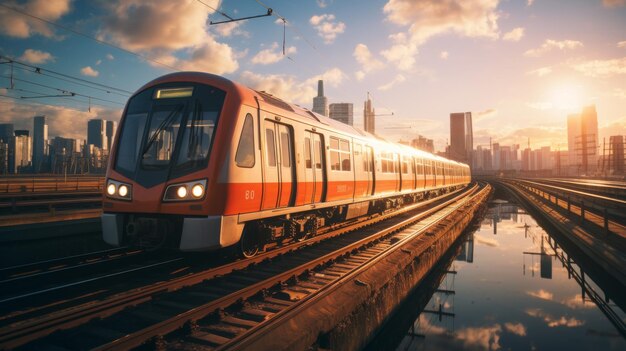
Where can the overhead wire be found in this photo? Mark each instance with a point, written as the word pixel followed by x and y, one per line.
pixel 40 70
pixel 63 90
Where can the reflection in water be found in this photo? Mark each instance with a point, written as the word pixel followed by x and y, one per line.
pixel 484 301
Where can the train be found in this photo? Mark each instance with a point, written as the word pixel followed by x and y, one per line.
pixel 202 163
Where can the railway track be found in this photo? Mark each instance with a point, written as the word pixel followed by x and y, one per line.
pixel 128 319
pixel 612 189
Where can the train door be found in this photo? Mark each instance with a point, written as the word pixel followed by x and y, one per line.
pixel 314 184
pixel 278 187
pixel 369 169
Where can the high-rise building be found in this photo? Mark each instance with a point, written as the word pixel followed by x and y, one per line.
pixel 40 143
pixel 423 143
pixel 320 102
pixel 110 132
pixel 369 116
pixel 582 141
pixel 23 151
pixel 8 153
pixel 96 133
pixel 461 137
pixel 341 112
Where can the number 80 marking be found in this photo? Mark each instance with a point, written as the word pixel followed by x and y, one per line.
pixel 249 195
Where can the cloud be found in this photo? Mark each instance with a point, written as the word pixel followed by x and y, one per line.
pixel 322 3
pixel 36 56
pixel 19 26
pixel 485 338
pixel 326 27
pixel 232 29
pixel 613 3
pixel 444 55
pixel 619 93
pixel 98 62
pixel 402 53
pixel 541 294
pixel 552 321
pixel 483 115
pixel 621 44
pixel 397 79
pixel 486 241
pixel 213 57
pixel 530 2
pixel 515 328
pixel 272 55
pixel 164 31
pixel 601 68
pixel 540 72
pixel 288 88
pixel 364 57
pixel 577 302
pixel 88 71
pixel 514 35
pixel 428 18
pixel 550 44
pixel 110 57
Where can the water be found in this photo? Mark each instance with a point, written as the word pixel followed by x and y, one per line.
pixel 511 291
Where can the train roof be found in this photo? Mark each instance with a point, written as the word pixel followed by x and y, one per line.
pixel 270 102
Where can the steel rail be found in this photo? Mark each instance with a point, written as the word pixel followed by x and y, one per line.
pixel 247 339
pixel 39 327
pixel 178 321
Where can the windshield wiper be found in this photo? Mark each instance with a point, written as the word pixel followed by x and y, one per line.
pixel 166 122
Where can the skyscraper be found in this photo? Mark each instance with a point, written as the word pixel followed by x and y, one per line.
pixel 96 133
pixel 461 137
pixel 23 151
pixel 6 137
pixel 320 102
pixel 369 116
pixel 110 132
pixel 40 142
pixel 582 141
pixel 341 112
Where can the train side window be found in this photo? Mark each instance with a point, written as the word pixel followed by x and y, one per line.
pixel 271 148
pixel 285 146
pixel 307 153
pixel 245 150
pixel 345 155
pixel 317 151
pixel 405 165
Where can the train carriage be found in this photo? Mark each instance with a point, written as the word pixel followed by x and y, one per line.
pixel 202 163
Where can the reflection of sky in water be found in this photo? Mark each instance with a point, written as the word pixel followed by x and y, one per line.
pixel 510 296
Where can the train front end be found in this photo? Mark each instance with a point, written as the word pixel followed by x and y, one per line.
pixel 162 165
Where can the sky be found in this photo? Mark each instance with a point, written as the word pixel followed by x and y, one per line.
pixel 520 66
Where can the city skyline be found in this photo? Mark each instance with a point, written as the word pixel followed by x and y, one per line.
pixel 520 67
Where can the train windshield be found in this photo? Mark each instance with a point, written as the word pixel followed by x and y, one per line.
pixel 168 129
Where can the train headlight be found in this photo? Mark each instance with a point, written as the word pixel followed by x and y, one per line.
pixel 111 189
pixel 123 191
pixel 197 190
pixel 188 191
pixel 118 190
pixel 182 192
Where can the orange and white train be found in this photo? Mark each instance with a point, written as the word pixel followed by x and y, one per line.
pixel 201 163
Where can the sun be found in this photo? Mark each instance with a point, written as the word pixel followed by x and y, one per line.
pixel 568 97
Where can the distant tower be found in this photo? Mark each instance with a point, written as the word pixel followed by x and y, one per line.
pixel 342 112
pixel 461 137
pixel 369 120
pixel 96 133
pixel 40 141
pixel 320 102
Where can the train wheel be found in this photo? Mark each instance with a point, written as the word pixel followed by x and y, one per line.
pixel 250 243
